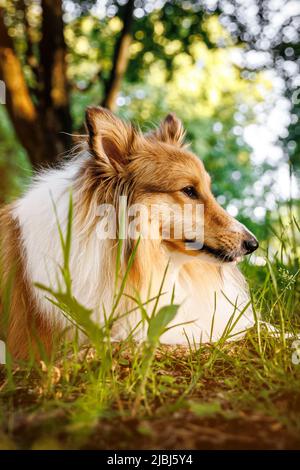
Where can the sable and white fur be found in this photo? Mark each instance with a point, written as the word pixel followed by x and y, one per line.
pixel 207 289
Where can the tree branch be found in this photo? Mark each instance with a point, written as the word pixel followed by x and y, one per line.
pixel 120 59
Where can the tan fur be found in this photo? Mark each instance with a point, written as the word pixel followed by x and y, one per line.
pixel 25 330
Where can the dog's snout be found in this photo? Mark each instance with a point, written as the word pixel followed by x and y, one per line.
pixel 250 244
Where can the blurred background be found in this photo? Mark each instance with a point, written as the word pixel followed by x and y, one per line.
pixel 230 69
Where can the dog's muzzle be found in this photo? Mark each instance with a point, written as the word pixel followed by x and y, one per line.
pixel 249 245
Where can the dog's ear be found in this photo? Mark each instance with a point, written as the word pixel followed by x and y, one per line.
pixel 110 139
pixel 171 131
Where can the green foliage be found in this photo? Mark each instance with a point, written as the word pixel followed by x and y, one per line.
pixel 159 323
pixel 163 35
pixel 15 170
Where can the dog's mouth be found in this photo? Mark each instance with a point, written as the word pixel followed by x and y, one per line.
pixel 219 254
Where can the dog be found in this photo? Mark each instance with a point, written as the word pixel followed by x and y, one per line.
pixel 117 160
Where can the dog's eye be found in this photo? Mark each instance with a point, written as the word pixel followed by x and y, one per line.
pixel 191 192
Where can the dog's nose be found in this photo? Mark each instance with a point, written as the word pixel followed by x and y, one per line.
pixel 250 245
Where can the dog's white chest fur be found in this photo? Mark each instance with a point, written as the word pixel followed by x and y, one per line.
pixel 210 296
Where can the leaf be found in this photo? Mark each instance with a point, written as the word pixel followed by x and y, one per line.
pixel 160 321
pixel 76 312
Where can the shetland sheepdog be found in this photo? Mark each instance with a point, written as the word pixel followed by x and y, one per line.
pixel 117 160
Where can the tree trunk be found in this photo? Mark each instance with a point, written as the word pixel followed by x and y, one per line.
pixel 42 128
pixel 120 60
pixel 20 107
pixel 54 100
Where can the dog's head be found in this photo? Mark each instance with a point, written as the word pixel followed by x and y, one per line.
pixel 160 172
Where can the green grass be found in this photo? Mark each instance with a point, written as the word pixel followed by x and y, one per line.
pixel 244 394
